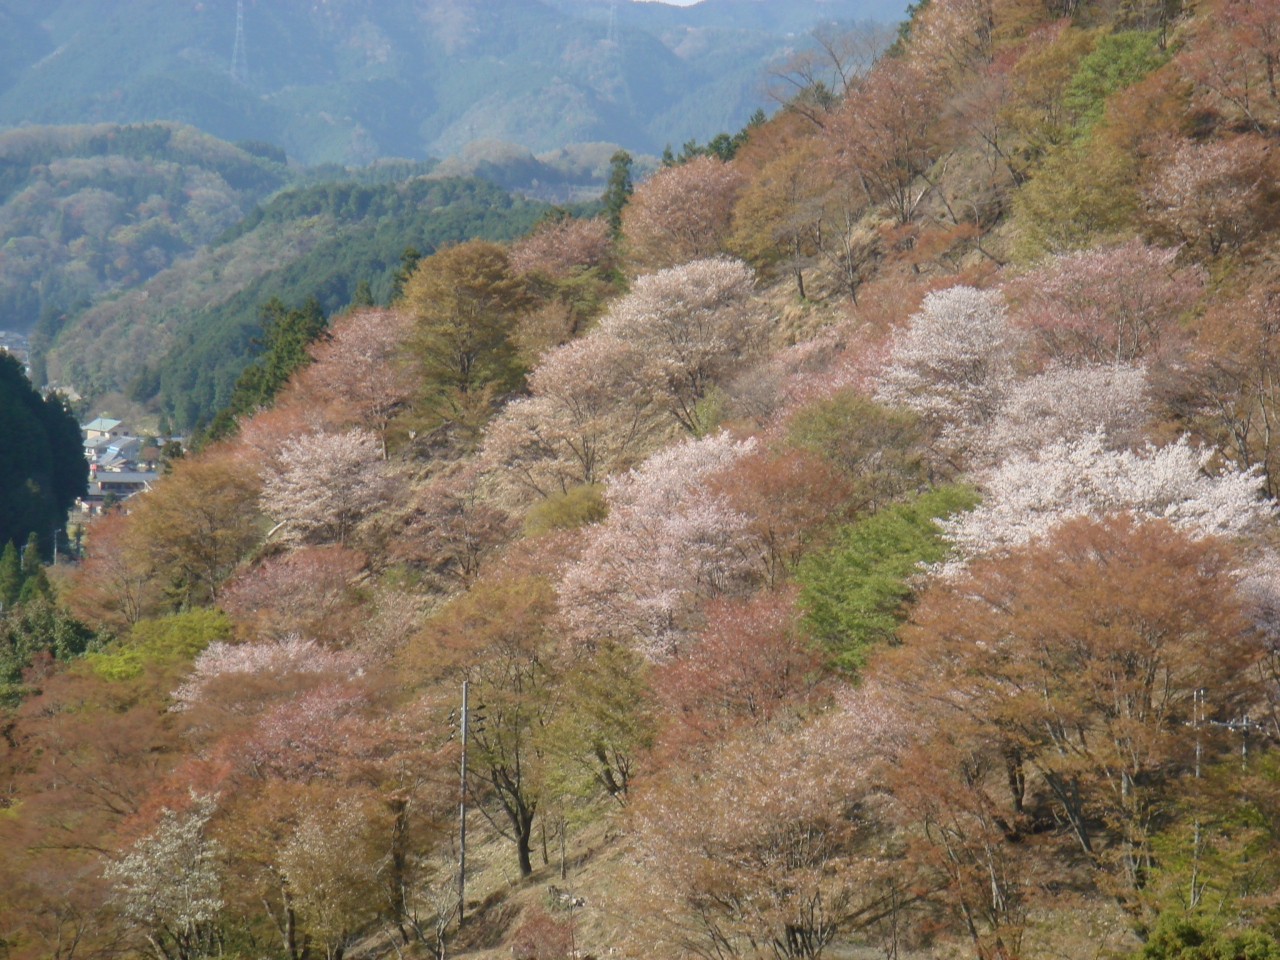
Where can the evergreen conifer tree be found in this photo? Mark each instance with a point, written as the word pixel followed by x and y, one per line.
pixel 42 465
pixel 408 263
pixel 620 188
pixel 286 334
pixel 31 556
pixel 363 297
pixel 10 576
pixel 35 587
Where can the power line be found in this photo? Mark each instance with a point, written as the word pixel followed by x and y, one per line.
pixel 239 60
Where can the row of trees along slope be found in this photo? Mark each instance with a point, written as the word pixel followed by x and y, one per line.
pixel 865 539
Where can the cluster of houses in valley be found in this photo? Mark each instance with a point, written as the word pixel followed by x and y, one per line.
pixel 120 464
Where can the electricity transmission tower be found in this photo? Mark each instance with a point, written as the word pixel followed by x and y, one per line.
pixel 613 22
pixel 239 61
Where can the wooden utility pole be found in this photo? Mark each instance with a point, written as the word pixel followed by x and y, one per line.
pixel 462 812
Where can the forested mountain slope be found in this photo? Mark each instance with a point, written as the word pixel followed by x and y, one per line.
pixel 85 210
pixel 864 542
pixel 348 81
pixel 181 339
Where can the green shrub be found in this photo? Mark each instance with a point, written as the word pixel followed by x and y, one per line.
pixel 1177 936
pixel 853 593
pixel 172 639
pixel 576 507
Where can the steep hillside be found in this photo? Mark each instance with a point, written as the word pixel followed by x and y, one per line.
pixel 350 81
pixel 861 539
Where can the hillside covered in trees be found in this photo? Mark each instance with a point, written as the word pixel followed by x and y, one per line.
pixel 858 540
pixel 179 341
pixel 85 210
pixel 139 256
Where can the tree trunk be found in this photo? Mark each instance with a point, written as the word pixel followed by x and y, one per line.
pixel 523 839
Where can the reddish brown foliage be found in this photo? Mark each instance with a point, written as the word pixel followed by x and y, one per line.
pixel 681 213
pixel 307 591
pixel 886 136
pixel 114 585
pixel 452 529
pixel 559 247
pixel 1068 671
pixel 542 937
pixel 788 499
pixel 749 666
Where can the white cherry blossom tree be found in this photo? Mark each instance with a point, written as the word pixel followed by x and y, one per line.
pixel 168 885
pixel 327 483
pixel 1027 495
pixel 952 362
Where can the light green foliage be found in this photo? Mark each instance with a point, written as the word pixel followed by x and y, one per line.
pixel 1116 61
pixel 1178 936
pixel 708 412
pixel 173 639
pixel 601 726
pixel 31 556
pixel 574 508
pixel 877 448
pixel 853 593
pixel 1223 842
pixel 1084 192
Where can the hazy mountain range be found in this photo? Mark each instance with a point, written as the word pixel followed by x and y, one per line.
pixel 350 81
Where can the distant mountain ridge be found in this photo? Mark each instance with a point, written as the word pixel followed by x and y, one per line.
pixel 350 81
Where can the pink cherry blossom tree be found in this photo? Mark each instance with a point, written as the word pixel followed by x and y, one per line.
pixel 1117 305
pixel 1212 194
pixel 558 247
pixel 666 544
pixel 682 213
pixel 295 592
pixel 591 413
pixel 453 527
pixel 274 659
pixel 311 735
pixel 360 370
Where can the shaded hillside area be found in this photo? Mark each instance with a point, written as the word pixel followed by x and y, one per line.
pixel 349 81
